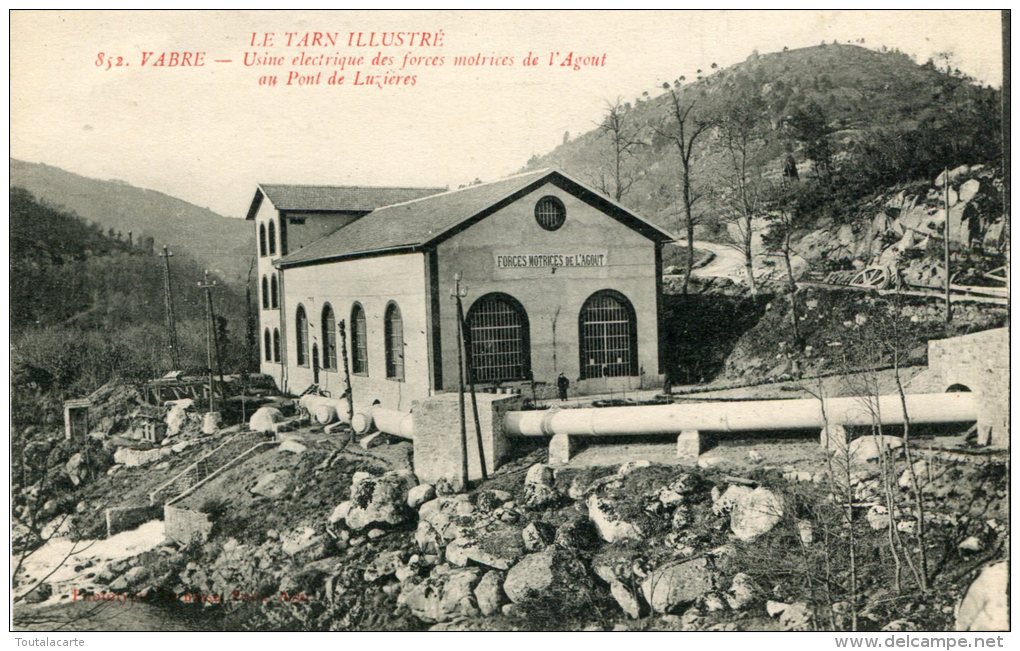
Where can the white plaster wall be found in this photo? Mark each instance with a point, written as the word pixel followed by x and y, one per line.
pixel 549 296
pixel 268 318
pixel 372 282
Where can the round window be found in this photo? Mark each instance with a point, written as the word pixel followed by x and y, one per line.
pixel 550 213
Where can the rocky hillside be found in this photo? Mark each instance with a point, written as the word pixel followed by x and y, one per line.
pixel 875 117
pixel 221 244
pixel 320 535
pixel 87 307
pixel 894 232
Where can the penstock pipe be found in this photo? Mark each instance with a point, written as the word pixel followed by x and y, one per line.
pixel 751 415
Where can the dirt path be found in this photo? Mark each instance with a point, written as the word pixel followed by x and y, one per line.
pixel 727 263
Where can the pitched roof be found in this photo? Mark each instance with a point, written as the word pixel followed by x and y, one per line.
pixel 413 225
pixel 334 198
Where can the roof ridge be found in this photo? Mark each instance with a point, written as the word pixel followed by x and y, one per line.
pixel 466 187
pixel 349 187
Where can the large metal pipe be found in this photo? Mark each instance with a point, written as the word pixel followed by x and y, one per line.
pixel 324 410
pixel 748 415
pixel 388 421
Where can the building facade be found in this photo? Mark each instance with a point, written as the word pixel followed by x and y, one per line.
pixel 554 278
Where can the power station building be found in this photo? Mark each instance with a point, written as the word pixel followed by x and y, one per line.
pixel 554 276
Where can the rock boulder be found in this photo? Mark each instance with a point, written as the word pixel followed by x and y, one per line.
pixel 985 606
pixel 447 593
pixel 379 500
pixel 544 574
pixel 538 486
pixel 669 589
pixel 273 485
pixel 610 526
pixel 755 514
pixel 265 419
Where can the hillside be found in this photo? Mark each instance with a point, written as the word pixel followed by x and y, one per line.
pixel 86 307
pixel 878 117
pixel 221 244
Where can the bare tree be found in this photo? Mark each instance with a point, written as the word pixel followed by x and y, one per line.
pixel 744 135
pixel 784 217
pixel 684 130
pixel 617 175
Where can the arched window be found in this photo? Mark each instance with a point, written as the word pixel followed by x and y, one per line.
pixel 359 340
pixel 328 337
pixel 394 327
pixel 274 292
pixel 276 344
pixel 272 238
pixel 262 239
pixel 267 345
pixel 301 336
pixel 265 293
pixel 500 342
pixel 608 336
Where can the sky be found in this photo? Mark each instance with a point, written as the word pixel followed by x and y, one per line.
pixel 210 134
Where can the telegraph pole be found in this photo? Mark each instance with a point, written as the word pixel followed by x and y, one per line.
pixel 466 339
pixel 457 294
pixel 168 302
pixel 949 305
pixel 210 336
pixel 342 328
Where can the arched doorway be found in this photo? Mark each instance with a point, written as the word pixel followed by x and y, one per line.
pixel 607 328
pixel 500 339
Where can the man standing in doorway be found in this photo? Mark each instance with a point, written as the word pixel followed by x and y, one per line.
pixel 562 383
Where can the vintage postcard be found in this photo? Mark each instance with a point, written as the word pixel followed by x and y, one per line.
pixel 510 321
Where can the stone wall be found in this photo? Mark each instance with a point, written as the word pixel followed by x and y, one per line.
pixel 185 526
pixel 125 518
pixel 437 435
pixel 979 362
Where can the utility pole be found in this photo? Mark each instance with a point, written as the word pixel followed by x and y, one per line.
pixel 251 337
pixel 468 353
pixel 342 328
pixel 210 336
pixel 945 233
pixel 457 295
pixel 168 302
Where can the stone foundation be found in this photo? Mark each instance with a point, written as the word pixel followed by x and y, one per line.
pixel 437 435
pixel 979 362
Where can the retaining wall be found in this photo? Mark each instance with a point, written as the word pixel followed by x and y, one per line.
pixel 124 518
pixel 185 526
pixel 980 362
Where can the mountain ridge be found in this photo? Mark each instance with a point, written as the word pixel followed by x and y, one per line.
pixel 886 119
pixel 224 245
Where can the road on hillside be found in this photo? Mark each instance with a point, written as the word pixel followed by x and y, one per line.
pixel 727 263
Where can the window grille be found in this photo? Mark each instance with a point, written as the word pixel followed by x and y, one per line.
pixel 267 345
pixel 262 239
pixel 359 340
pixel 274 292
pixel 498 327
pixel 328 338
pixel 550 213
pixel 272 238
pixel 608 336
pixel 276 344
pixel 301 336
pixel 394 343
pixel 265 293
